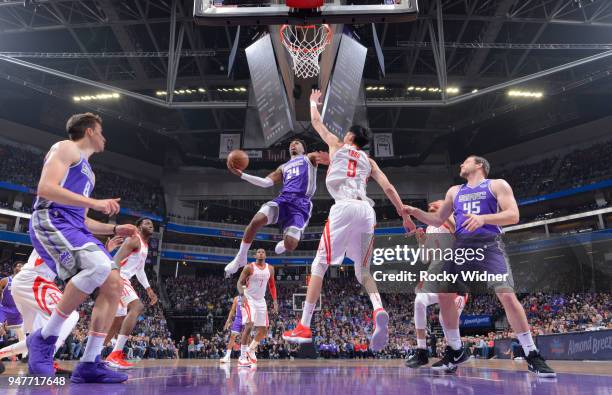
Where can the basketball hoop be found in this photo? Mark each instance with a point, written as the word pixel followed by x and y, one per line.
pixel 305 44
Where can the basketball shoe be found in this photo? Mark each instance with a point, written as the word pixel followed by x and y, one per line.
pixel 244 361
pixel 226 358
pixel 450 360
pixel 235 265
pixel 252 357
pixel 300 334
pixel 536 364
pixel 96 372
pixel 40 359
pixel 418 359
pixel 116 360
pixel 380 336
pixel 280 247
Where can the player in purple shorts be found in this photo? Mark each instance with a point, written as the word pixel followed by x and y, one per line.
pixel 9 313
pixel 481 207
pixel 291 209
pixel 235 326
pixel 62 235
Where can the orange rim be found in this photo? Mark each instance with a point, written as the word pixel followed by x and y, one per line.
pixel 293 48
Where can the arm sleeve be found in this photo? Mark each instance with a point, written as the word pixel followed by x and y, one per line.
pixel 260 182
pixel 272 287
pixel 142 278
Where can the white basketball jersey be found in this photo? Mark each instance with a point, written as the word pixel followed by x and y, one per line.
pixel 37 265
pixel 348 174
pixel 135 262
pixel 257 282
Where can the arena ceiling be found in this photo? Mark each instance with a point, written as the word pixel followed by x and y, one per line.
pixel 136 45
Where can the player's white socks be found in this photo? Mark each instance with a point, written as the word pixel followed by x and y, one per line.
pixel 243 251
pixel 526 341
pixel 453 338
pixel 307 313
pixel 95 343
pixel 376 301
pixel 422 344
pixel 121 339
pixel 253 345
pixel 280 247
pixel 54 325
pixel 244 349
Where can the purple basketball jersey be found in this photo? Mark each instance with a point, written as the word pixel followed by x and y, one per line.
pixel 299 177
pixel 7 298
pixel 237 324
pixel 79 179
pixel 477 200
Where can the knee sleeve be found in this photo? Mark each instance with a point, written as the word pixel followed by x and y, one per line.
pixel 420 312
pixel 318 268
pixel 95 267
pixel 293 232
pixel 270 210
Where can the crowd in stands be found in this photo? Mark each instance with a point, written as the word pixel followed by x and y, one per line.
pixel 22 167
pixel 577 168
pixel 344 323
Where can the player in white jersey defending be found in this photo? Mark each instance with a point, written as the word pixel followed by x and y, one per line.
pixel 131 259
pixel 252 288
pixel 439 238
pixel 350 226
pixel 36 296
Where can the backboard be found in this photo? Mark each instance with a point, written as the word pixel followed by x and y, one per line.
pixel 271 12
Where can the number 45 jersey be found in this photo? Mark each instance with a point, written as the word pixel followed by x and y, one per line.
pixel 478 200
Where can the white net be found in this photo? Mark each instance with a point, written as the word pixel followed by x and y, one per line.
pixel 305 44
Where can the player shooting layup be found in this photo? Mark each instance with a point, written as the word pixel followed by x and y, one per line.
pixel 480 207
pixel 291 209
pixel 350 226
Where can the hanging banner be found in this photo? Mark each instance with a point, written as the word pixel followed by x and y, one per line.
pixel 383 145
pixel 228 143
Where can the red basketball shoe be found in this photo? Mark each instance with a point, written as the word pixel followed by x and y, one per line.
pixel 300 334
pixel 116 359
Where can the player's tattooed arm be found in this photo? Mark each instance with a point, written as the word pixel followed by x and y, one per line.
pixel 317 123
pixel 246 272
pixel 439 217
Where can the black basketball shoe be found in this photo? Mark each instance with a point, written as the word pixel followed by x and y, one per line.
pixel 536 364
pixel 451 359
pixel 418 359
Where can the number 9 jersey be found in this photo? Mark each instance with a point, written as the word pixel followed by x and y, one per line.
pixel 348 174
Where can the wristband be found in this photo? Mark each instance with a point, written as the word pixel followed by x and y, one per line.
pixel 313 104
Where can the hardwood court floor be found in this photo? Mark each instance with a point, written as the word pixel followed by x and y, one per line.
pixel 338 377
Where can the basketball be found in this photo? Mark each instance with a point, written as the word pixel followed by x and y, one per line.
pixel 238 159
